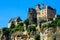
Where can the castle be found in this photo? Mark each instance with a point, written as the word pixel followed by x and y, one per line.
pixel 40 15
pixel 37 15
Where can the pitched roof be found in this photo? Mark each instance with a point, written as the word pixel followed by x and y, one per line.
pixel 15 19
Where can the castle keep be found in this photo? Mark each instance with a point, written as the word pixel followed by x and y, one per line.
pixel 45 13
pixel 32 15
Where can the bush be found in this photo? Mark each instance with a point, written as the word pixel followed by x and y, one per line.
pixel 58 23
pixel 31 28
pixel 12 25
pixel 37 37
pixel 44 26
pixel 26 21
pixel 5 31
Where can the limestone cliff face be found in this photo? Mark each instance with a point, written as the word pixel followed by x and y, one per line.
pixel 47 34
pixel 16 36
pixel 58 33
pixel 20 36
pixel 50 34
pixel 5 37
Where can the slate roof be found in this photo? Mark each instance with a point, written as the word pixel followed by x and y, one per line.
pixel 16 19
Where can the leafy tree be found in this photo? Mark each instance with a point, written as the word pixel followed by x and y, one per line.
pixel 20 27
pixel 5 31
pixel 14 28
pixel 0 32
pixel 43 26
pixel 12 25
pixel 26 21
pixel 11 31
pixel 19 24
pixel 31 28
pixel 58 23
pixel 37 37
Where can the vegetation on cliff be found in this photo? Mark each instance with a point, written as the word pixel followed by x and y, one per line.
pixel 37 37
pixel 31 27
pixel 55 23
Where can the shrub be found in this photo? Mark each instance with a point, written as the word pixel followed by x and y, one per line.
pixel 37 37
pixel 31 27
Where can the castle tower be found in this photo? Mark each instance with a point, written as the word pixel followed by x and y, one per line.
pixel 32 16
pixel 42 6
pixel 38 7
pixel 38 11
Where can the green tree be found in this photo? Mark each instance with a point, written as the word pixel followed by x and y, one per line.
pixel 12 25
pixel 58 23
pixel 14 28
pixel 19 27
pixel 31 27
pixel 5 31
pixel 44 26
pixel 26 21
pixel 37 37
pixel 19 24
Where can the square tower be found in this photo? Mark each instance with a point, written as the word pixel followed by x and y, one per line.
pixel 32 16
pixel 45 13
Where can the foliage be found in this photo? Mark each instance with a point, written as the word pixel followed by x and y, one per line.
pixel 12 25
pixel 19 27
pixel 47 26
pixel 43 26
pixel 0 31
pixel 26 21
pixel 37 37
pixel 55 23
pixel 11 31
pixel 31 27
pixel 58 23
pixel 5 31
pixel 19 24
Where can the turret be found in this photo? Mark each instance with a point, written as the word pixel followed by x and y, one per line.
pixel 37 6
pixel 42 6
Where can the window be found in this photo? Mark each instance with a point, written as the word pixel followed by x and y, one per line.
pixel 45 10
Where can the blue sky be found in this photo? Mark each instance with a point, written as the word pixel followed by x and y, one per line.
pixel 14 8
